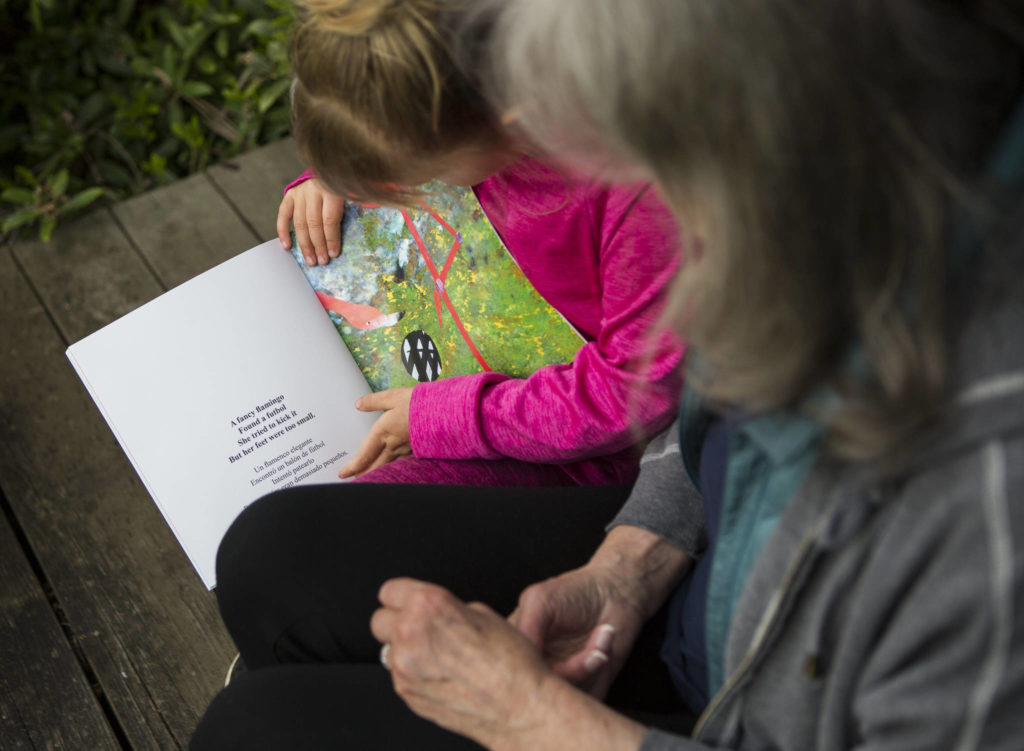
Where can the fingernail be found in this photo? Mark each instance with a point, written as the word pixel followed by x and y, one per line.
pixel 605 634
pixel 595 660
pixel 359 403
pixel 310 261
pixel 285 244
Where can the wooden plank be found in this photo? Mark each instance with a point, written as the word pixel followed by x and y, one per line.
pixel 253 183
pixel 184 228
pixel 91 272
pixel 45 699
pixel 142 618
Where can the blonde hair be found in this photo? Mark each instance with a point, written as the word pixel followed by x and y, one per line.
pixel 378 94
pixel 818 145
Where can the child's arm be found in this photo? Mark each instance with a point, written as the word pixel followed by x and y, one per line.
pixel 317 215
pixel 621 387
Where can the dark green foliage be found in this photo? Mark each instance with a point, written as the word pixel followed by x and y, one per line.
pixel 107 98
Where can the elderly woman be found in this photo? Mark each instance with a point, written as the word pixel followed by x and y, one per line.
pixel 828 547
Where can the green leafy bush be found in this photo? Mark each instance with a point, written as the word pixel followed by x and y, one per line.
pixel 103 99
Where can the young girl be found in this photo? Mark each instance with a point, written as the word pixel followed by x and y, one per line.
pixel 379 105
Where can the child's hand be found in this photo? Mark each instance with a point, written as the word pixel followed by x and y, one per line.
pixel 317 215
pixel 389 436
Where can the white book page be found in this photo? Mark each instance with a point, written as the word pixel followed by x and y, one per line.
pixel 223 389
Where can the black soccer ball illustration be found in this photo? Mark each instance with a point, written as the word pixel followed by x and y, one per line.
pixel 420 357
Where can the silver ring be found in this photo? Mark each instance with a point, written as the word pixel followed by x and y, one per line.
pixel 384 651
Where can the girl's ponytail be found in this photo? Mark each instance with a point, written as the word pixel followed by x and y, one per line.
pixel 356 17
pixel 378 94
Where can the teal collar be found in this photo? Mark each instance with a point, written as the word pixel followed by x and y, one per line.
pixel 781 436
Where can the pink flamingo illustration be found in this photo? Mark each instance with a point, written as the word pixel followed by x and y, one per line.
pixel 365 317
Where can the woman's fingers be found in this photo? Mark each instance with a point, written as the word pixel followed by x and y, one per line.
pixel 395 596
pixel 574 627
pixel 533 616
pixel 382 624
pixel 480 607
pixel 394 592
pixel 460 666
pixel 581 667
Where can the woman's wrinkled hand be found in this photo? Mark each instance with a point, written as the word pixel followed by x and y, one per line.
pixel 585 622
pixel 462 665
pixel 583 626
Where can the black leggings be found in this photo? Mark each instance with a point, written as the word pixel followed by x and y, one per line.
pixel 297 580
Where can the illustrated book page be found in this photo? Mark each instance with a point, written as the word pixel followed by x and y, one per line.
pixel 422 294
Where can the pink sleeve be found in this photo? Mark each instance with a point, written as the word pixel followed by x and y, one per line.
pixel 307 175
pixel 621 387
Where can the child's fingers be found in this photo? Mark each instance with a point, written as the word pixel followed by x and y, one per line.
pixel 376 401
pixel 315 227
pixel 383 458
pixel 364 459
pixel 365 465
pixel 284 221
pixel 332 236
pixel 302 232
pixel 334 210
pixel 373 445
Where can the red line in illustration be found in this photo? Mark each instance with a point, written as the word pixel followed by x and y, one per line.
pixel 440 291
pixel 441 221
pixel 451 257
pixel 455 248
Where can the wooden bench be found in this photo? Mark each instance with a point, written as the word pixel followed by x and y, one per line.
pixel 108 639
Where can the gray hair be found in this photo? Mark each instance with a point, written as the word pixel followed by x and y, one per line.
pixel 812 147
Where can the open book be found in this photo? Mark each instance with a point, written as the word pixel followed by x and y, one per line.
pixel 237 383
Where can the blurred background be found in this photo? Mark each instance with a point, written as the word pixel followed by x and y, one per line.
pixel 101 100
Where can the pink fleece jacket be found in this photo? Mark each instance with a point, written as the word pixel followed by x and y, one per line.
pixel 603 256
